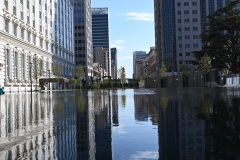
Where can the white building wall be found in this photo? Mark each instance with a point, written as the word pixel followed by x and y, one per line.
pixel 35 30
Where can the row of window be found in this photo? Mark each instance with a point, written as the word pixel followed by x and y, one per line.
pixel 186 54
pixel 188 29
pixel 189 45
pixel 188 37
pixel 187 12
pixel 19 66
pixel 186 20
pixel 187 3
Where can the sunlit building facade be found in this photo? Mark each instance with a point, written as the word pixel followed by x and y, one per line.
pixel 137 57
pixel 114 63
pixel 178 25
pixel 34 30
pixel 83 36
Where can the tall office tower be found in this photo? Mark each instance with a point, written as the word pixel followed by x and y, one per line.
pixel 34 30
pixel 99 56
pixel 138 55
pixel 100 32
pixel 83 36
pixel 114 63
pixel 178 25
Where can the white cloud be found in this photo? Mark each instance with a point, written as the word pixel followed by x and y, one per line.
pixel 119 130
pixel 119 41
pixel 140 16
pixel 145 155
pixel 116 46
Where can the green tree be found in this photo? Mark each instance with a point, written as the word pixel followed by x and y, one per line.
pixel 205 65
pixel 122 75
pixel 35 68
pixel 58 72
pixel 40 67
pixel 222 37
pixel 79 71
pixel 163 71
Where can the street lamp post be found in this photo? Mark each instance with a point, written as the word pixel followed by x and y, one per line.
pixel 49 71
pixel 30 65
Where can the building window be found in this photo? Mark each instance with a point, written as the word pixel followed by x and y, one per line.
pixel 40 2
pixel 23 66
pixel 195 20
pixel 186 12
pixel 179 29
pixel 186 3
pixel 179 37
pixel 187 53
pixel 22 33
pixel 194 11
pixel 7 25
pixel 15 29
pixel 178 4
pixel 29 37
pixel 33 9
pixel 6 4
pixel 28 20
pixel 45 6
pixel 7 63
pixel 187 28
pixel 16 65
pixel 21 1
pixel 41 43
pixel 195 45
pixel 187 45
pixel 187 37
pixel 40 14
pixel 34 39
pixel 29 67
pixel 180 46
pixel 179 20
pixel 46 46
pixel 28 4
pixel 45 19
pixel 195 36
pixel 180 54
pixel 34 23
pixel 195 28
pixel 194 3
pixel 40 28
pixel 21 13
pixel 186 20
pixel 14 10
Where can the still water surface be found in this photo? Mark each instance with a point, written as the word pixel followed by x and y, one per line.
pixel 172 124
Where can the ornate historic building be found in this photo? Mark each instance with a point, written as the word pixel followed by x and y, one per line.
pixel 35 36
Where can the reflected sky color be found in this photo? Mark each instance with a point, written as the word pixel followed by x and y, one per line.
pixel 173 124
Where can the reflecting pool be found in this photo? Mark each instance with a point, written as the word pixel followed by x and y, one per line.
pixel 166 124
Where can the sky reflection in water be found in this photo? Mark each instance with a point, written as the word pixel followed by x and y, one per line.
pixel 171 124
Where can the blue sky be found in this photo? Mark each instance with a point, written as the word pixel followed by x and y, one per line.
pixel 131 28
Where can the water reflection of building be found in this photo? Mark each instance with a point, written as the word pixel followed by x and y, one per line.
pixel 145 106
pixel 181 134
pixel 26 130
pixel 103 124
pixel 65 125
pixel 85 134
pixel 115 108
